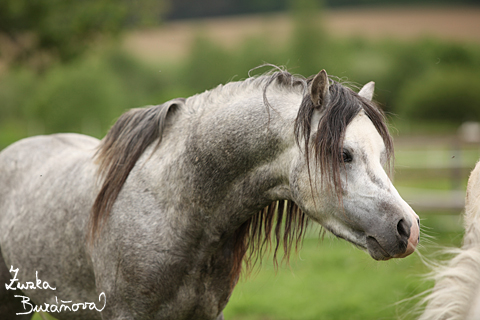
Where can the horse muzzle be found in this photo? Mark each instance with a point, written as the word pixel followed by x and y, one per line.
pixel 403 243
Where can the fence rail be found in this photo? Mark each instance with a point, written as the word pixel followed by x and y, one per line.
pixel 434 200
pixel 450 161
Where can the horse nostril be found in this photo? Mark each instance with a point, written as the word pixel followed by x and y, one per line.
pixel 418 224
pixel 403 229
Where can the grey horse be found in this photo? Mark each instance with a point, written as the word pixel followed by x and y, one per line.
pixel 155 220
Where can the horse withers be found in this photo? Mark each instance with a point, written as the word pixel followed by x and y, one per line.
pixel 155 220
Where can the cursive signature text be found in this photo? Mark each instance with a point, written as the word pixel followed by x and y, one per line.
pixel 46 307
pixel 63 306
pixel 38 284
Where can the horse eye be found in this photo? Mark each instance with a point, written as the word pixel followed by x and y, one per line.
pixel 347 156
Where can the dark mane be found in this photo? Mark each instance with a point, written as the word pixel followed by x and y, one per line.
pixel 139 128
pixel 118 152
pixel 254 237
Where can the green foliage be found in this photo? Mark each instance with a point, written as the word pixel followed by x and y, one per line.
pixel 85 96
pixel 69 98
pixel 207 66
pixel 142 84
pixel 412 60
pixel 65 28
pixel 253 53
pixel 427 80
pixel 15 91
pixel 446 94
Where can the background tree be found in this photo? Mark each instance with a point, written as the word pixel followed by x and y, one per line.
pixel 41 30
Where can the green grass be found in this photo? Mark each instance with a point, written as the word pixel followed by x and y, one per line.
pixel 333 280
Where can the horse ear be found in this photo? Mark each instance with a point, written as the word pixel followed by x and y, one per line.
pixel 367 91
pixel 319 89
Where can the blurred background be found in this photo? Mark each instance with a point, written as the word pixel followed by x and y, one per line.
pixel 75 66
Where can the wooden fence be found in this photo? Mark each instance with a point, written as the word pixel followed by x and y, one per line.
pixel 451 160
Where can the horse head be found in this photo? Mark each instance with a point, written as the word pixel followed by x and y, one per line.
pixel 345 187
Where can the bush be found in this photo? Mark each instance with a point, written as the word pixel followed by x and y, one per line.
pixel 446 94
pixel 142 84
pixel 16 89
pixel 85 96
pixel 207 66
pixel 419 59
pixel 81 97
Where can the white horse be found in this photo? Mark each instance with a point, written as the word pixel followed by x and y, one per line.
pixel 154 221
pixel 456 294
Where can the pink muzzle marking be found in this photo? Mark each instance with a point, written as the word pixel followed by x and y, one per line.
pixel 412 240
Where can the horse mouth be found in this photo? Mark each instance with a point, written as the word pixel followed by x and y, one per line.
pixel 401 246
pixel 375 250
pixel 353 240
pixel 370 244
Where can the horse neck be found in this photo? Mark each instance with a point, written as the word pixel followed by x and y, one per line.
pixel 235 154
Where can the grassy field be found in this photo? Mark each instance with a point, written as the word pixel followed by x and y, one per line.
pixel 333 280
